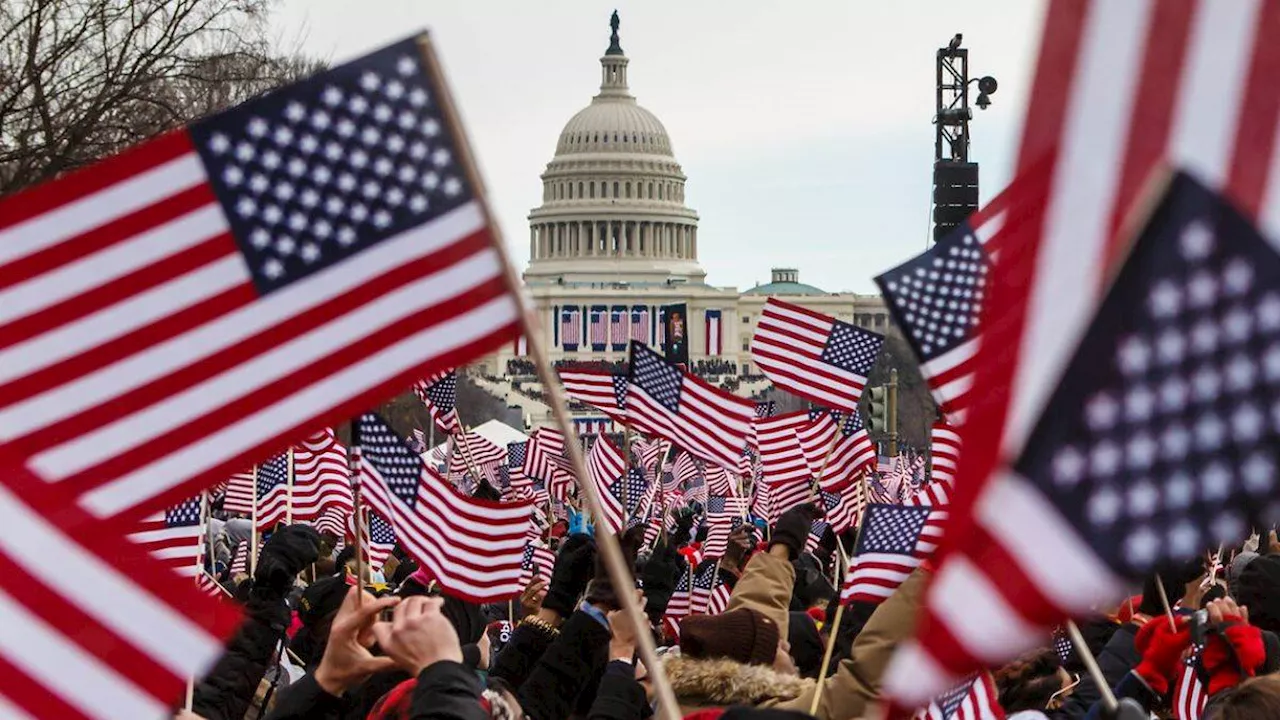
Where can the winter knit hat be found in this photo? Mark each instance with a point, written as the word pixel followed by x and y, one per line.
pixel 321 599
pixel 745 635
pixel 1236 568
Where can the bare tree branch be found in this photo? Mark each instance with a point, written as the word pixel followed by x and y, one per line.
pixel 80 79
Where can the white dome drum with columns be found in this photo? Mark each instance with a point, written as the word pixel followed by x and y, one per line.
pixel 613 195
pixel 613 243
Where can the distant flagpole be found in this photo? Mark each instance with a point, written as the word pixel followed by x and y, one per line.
pixel 253 536
pixel 357 514
pixel 288 508
pixel 619 574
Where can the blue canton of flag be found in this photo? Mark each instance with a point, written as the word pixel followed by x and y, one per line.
pixel 620 390
pixel 661 380
pixel 633 484
pixel 851 348
pixel 444 392
pixel 384 450
pixel 332 166
pixel 380 531
pixel 272 474
pixel 892 529
pixel 766 409
pixel 184 514
pixel 1158 442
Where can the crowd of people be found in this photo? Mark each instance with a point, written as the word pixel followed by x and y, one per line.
pixel 395 647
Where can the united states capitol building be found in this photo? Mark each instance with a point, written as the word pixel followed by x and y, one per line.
pixel 613 243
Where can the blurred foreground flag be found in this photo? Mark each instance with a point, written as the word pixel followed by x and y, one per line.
pixel 175 313
pixel 1158 442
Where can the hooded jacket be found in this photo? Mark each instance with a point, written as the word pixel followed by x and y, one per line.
pixel 766 586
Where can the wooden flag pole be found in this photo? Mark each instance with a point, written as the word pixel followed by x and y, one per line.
pixel 253 535
pixel 1091 665
pixel 200 558
pixel 353 470
pixel 288 509
pixel 832 632
pixel 1164 600
pixel 619 574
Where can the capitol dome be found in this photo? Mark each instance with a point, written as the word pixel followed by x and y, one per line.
pixel 613 196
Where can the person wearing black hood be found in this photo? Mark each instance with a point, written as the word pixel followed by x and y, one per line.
pixel 227 691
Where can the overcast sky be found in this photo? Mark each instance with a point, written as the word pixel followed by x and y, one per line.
pixel 804 127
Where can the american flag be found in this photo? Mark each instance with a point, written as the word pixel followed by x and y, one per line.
pixel 94 627
pixel 685 469
pixel 516 480
pixel 547 461
pixel 710 594
pixel 786 473
pixel 570 329
pixel 944 453
pixel 599 328
pixel 762 501
pixel 439 394
pixel 472 449
pixel 472 547
pixel 619 332
pixel 665 401
pixel 1153 445
pixel 893 541
pixel 719 482
pixel 936 299
pixel 218 291
pixel 607 468
pixel 837 448
pixel 843 508
pixel 381 540
pixel 174 536
pixel 766 409
pixel 240 492
pixel 320 476
pixel 1189 695
pixel 679 604
pixel 333 520
pixel 539 561
pixel 209 585
pixel 975 698
pixel 603 391
pixel 813 355
pixel 724 515
pixel 640 325
pixel 273 491
pixel 239 560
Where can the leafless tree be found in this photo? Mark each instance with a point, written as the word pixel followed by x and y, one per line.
pixel 81 79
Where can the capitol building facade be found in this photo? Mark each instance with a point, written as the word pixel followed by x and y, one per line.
pixel 613 243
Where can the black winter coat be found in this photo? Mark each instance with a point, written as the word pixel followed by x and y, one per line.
pixel 564 680
pixel 227 691
pixel 619 696
pixel 445 691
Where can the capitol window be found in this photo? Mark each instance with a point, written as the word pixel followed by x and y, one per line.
pixel 659 191
pixel 591 186
pixel 628 190
pixel 651 190
pixel 615 188
pixel 579 191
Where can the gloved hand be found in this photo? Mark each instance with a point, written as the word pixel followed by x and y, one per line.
pixel 660 576
pixel 288 552
pixel 1234 649
pixel 600 591
pixel 684 527
pixel 739 546
pixel 1161 647
pixel 573 570
pixel 793 529
pixel 580 523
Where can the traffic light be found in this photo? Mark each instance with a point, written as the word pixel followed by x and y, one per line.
pixel 878 409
